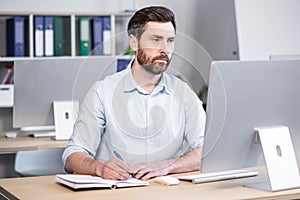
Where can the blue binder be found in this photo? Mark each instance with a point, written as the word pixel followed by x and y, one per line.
pixel 122 64
pixel 107 43
pixel 49 35
pixel 15 36
pixel 39 36
pixel 97 35
pixel 106 23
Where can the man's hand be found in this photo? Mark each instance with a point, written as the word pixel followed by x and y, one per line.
pixel 191 161
pixel 145 171
pixel 81 163
pixel 116 169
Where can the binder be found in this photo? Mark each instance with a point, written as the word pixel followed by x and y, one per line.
pixel 107 43
pixel 26 35
pixel 49 35
pixel 97 35
pixel 122 64
pixel 84 36
pixel 67 35
pixel 15 34
pixel 58 36
pixel 39 35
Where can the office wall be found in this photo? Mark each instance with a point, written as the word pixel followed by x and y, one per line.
pixel 211 23
pixel 269 27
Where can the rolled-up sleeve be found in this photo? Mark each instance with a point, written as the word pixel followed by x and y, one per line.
pixel 89 125
pixel 195 119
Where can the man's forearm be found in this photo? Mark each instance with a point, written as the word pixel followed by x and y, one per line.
pixel 186 163
pixel 81 163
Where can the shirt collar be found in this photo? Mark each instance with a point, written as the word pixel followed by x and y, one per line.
pixel 130 84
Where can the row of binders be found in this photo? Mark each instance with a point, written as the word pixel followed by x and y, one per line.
pixel 52 36
pixel 95 35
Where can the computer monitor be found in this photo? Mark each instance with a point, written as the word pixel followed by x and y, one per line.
pixel 243 95
pixel 39 82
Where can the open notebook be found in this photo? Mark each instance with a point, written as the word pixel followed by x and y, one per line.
pixel 87 181
pixel 218 176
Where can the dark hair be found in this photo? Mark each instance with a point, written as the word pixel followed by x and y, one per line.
pixel 144 15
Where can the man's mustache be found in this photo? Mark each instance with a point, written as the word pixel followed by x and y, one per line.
pixel 162 57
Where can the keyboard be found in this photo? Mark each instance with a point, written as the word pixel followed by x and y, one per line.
pixel 218 176
pixel 43 134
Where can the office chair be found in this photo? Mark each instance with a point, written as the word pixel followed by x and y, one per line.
pixel 39 162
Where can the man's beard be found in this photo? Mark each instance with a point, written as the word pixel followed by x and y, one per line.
pixel 156 65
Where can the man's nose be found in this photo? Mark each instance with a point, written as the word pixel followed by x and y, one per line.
pixel 164 48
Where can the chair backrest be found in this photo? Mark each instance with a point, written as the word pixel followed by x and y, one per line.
pixel 39 162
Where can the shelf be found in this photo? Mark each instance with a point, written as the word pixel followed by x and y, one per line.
pixel 71 40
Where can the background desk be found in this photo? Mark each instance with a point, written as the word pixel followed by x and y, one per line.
pixel 45 188
pixel 24 143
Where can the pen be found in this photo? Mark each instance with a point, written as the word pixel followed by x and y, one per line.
pixel 120 158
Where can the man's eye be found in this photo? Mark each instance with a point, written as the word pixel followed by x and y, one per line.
pixel 171 40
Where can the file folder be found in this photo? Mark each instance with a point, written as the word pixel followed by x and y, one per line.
pixel 49 35
pixel 58 36
pixel 97 35
pixel 39 35
pixel 15 34
pixel 26 35
pixel 107 43
pixel 67 35
pixel 122 64
pixel 84 36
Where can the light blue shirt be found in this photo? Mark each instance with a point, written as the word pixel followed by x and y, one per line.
pixel 118 115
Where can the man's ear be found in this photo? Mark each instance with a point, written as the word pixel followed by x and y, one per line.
pixel 133 42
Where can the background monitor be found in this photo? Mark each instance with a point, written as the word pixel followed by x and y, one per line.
pixel 243 95
pixel 38 82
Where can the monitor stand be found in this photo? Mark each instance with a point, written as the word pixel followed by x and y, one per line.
pixel 65 114
pixel 281 163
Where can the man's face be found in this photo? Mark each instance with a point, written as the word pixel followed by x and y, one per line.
pixel 156 46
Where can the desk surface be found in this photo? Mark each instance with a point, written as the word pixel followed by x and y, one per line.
pixel 24 143
pixel 45 188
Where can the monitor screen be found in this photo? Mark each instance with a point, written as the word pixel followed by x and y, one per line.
pixel 243 95
pixel 39 82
